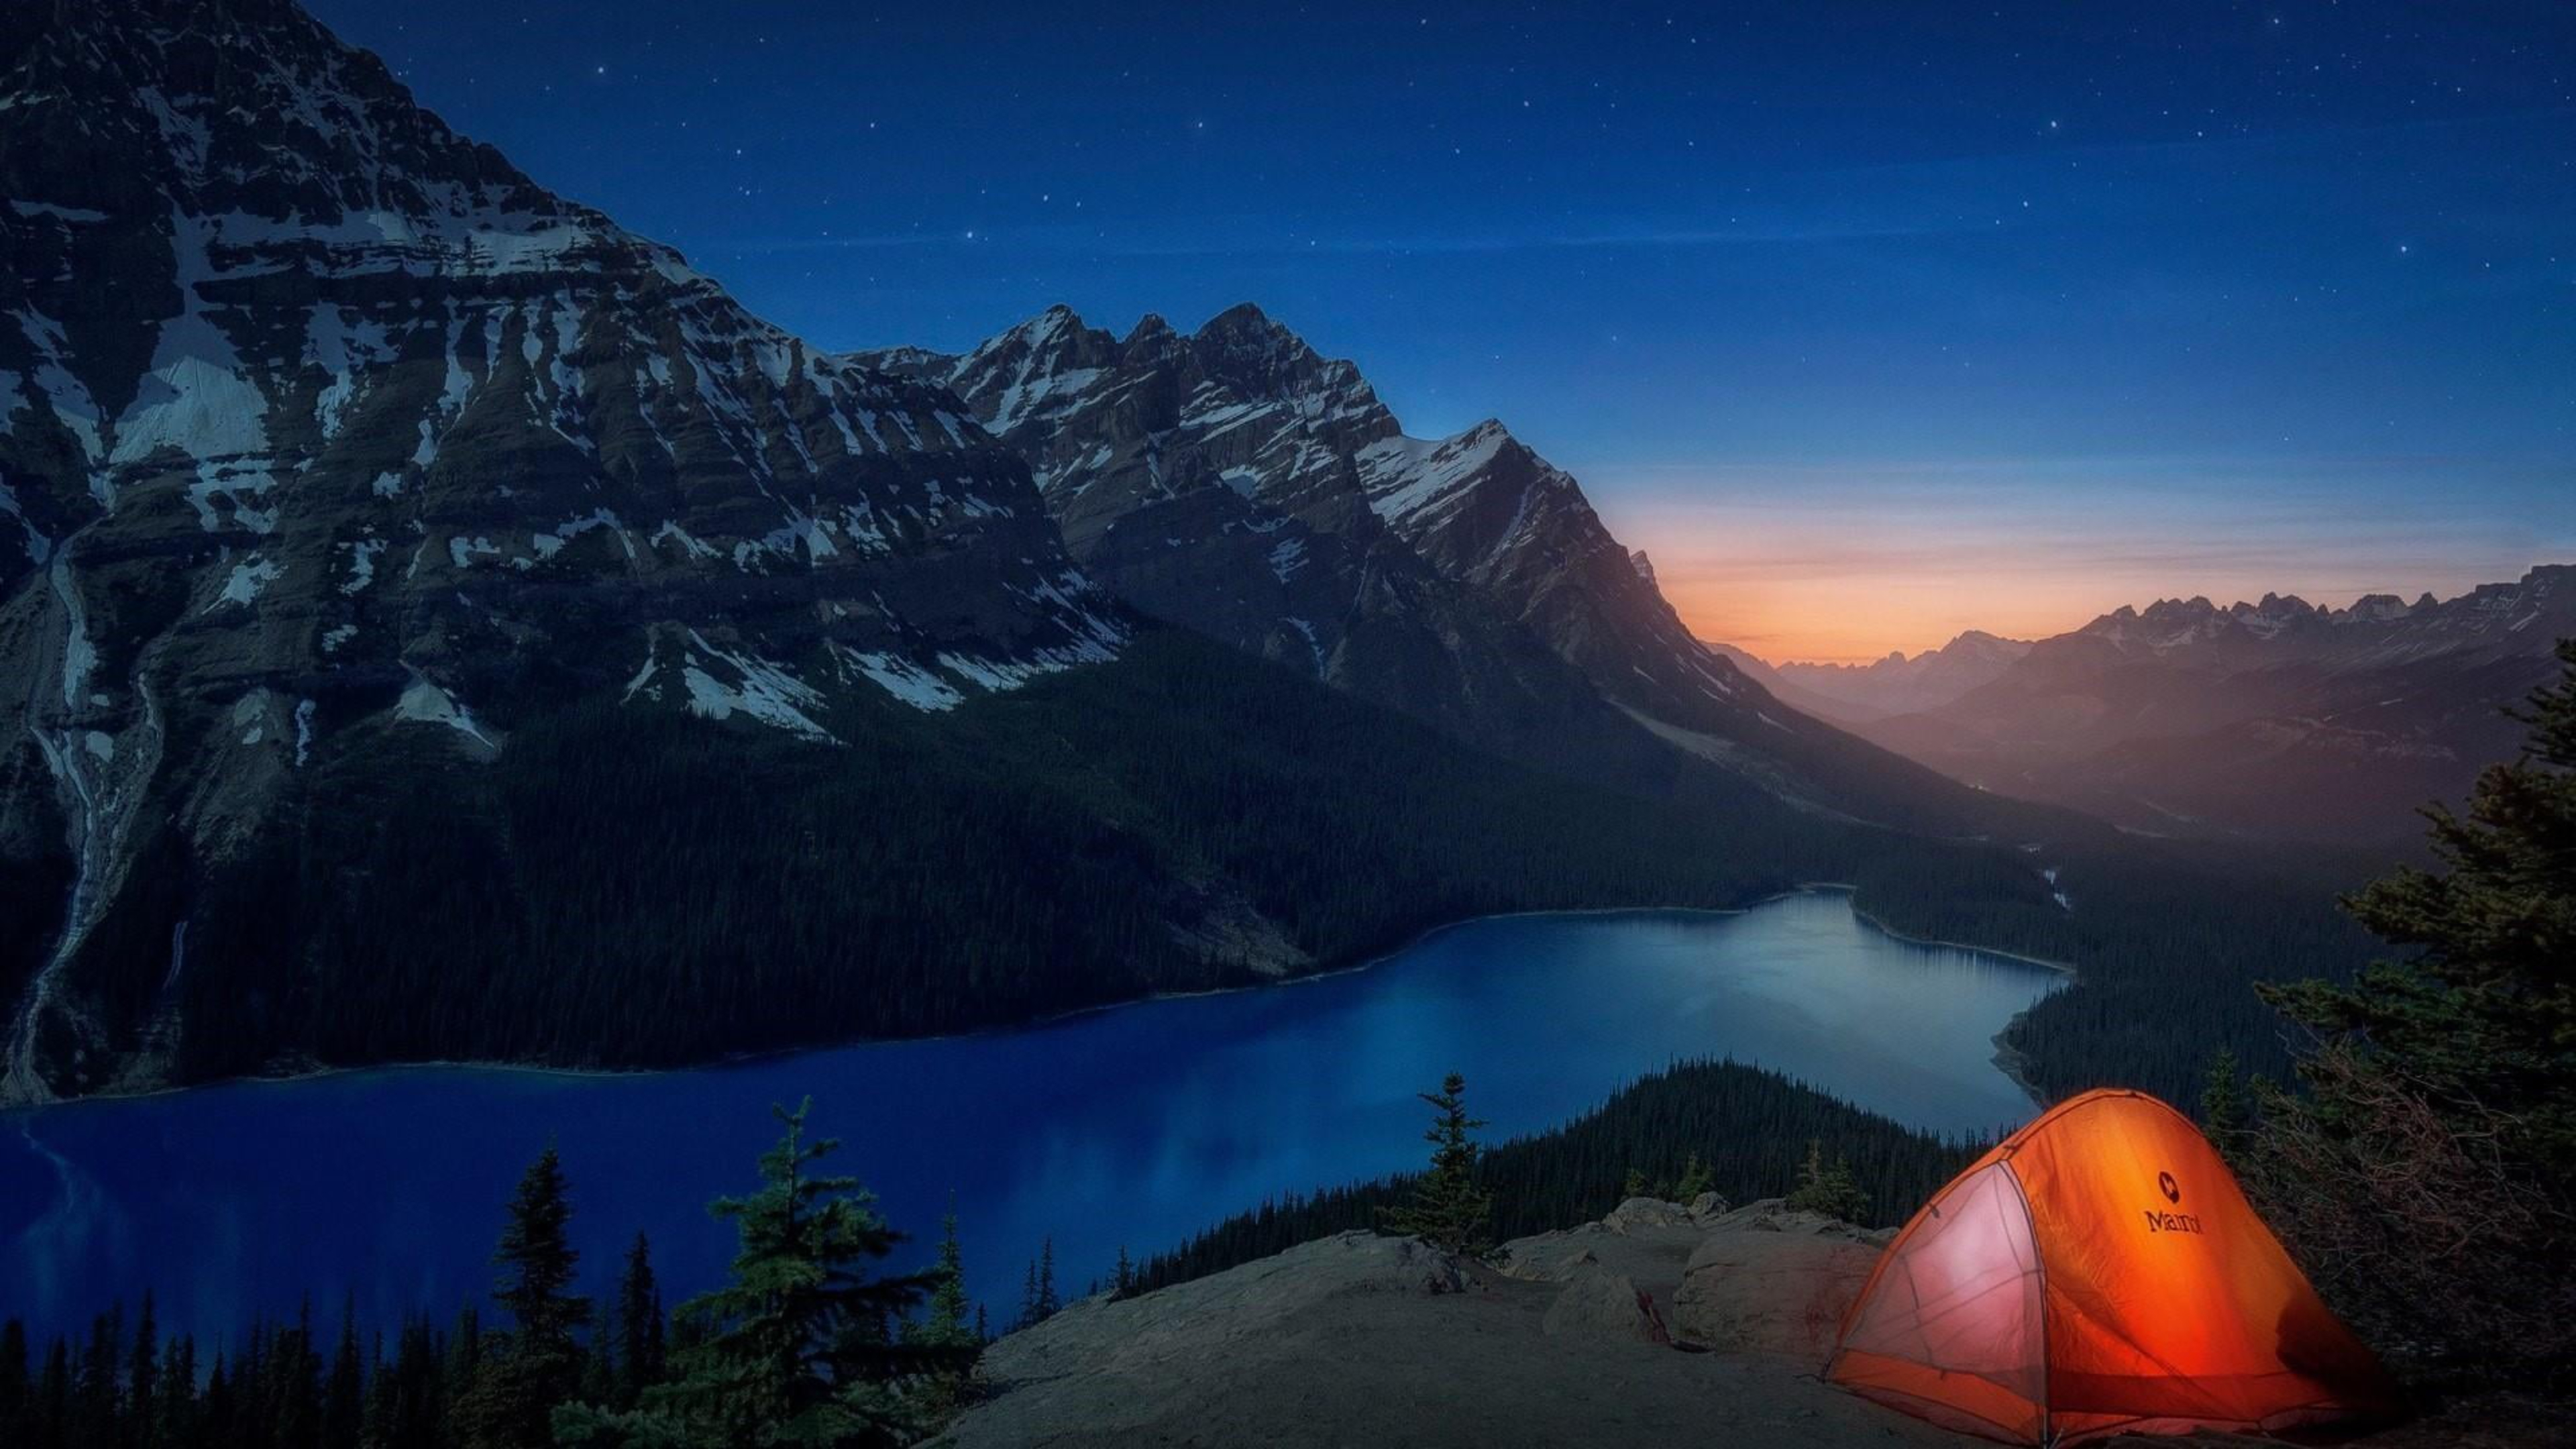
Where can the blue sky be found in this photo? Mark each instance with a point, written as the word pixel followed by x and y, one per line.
pixel 1871 321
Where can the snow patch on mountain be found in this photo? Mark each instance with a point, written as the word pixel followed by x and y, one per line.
pixel 423 700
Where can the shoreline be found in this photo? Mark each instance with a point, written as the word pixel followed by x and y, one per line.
pixel 2009 1059
pixel 25 1113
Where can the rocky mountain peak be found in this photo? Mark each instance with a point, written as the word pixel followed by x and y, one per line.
pixel 2374 608
pixel 239 105
pixel 332 437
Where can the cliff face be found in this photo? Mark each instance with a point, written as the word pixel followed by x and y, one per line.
pixel 327 437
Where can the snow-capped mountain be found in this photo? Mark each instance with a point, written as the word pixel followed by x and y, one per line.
pixel 2274 717
pixel 323 430
pixel 1899 685
pixel 1236 481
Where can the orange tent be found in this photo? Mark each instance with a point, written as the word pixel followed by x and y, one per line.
pixel 2098 1272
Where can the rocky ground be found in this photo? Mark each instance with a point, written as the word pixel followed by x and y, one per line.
pixel 1663 1323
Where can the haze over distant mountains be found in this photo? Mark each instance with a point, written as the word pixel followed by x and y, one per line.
pixel 2276 718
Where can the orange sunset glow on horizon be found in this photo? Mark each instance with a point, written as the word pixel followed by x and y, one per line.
pixel 1792 565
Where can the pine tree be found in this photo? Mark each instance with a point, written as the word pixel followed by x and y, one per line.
pixel 509 1401
pixel 2222 1105
pixel 465 1347
pixel 17 1389
pixel 797 1348
pixel 175 1418
pixel 947 1325
pixel 1697 1177
pixel 538 1261
pixel 1122 1280
pixel 639 1326
pixel 1827 1188
pixel 2439 1090
pixel 216 1422
pixel 1448 1210
pixel 1635 1184
pixel 343 1398
pixel 290 1383
pixel 1048 1303
pixel 142 1365
pixel 94 1396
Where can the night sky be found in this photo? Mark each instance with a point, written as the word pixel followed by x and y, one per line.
pixel 1872 322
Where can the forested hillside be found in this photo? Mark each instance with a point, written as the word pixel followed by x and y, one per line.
pixel 1742 1130
pixel 632 889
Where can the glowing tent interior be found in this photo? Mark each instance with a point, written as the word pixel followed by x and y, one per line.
pixel 2100 1272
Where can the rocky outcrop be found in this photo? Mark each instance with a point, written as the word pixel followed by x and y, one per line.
pixel 1569 1338
pixel 1600 1304
pixel 1772 1284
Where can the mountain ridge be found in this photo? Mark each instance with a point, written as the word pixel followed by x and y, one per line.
pixel 1234 480
pixel 2270 718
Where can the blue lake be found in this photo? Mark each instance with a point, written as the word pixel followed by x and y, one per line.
pixel 1132 1126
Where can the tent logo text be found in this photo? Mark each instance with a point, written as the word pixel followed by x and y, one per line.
pixel 2172 1222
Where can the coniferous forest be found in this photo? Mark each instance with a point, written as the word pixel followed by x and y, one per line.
pixel 1095 837
pixel 1722 1127
pixel 811 1340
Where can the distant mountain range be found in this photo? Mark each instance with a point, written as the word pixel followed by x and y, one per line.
pixel 2274 719
pixel 1895 685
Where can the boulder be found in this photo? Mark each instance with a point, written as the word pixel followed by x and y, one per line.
pixel 1554 1257
pixel 1646 1212
pixel 1770 1289
pixel 1774 1215
pixel 1597 1303
pixel 1707 1205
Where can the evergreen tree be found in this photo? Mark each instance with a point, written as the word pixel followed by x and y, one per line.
pixel 947 1325
pixel 175 1417
pixel 1828 1188
pixel 640 1352
pixel 1122 1280
pixel 1448 1210
pixel 510 1398
pixel 2222 1105
pixel 215 1418
pixel 143 1363
pixel 538 1261
pixel 17 1389
pixel 53 1410
pixel 953 1323
pixel 1697 1177
pixel 1635 1184
pixel 344 1396
pixel 1048 1303
pixel 94 1397
pixel 2427 1171
pixel 797 1348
